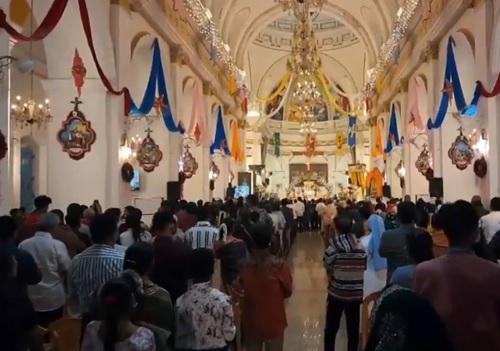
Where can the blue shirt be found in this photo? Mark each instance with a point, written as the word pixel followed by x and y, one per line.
pixel 403 276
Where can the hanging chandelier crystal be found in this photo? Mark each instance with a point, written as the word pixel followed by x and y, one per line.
pixel 30 113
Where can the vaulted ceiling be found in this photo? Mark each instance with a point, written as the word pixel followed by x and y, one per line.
pixel 350 33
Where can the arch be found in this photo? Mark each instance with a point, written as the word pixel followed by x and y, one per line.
pixel 135 41
pixel 276 11
pixel 470 38
pixel 238 20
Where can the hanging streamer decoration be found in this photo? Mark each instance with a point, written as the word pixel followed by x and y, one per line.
pixel 393 137
pixel 236 150
pixel 220 140
pixel 277 144
pixel 453 88
pixel 332 99
pixel 351 137
pixel 46 26
pixel 283 84
pixel 198 124
pixel 156 83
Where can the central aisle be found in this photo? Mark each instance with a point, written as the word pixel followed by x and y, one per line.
pixel 306 310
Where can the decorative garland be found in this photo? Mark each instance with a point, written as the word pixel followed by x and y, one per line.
pixel 283 84
pixel 453 87
pixel 46 27
pixel 332 99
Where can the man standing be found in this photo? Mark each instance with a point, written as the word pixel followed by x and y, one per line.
pixel 490 223
pixel 393 243
pixel 203 235
pixel 97 264
pixel 29 225
pixel 48 296
pixel 204 315
pixel 300 209
pixel 462 279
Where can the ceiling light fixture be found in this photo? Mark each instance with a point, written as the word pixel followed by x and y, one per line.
pixel 202 18
pixel 389 48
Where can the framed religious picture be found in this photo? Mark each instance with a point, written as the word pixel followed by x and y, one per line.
pixel 149 154
pixel 461 152
pixel 76 134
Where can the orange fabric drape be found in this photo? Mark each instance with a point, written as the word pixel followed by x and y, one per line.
pixel 375 177
pixel 378 149
pixel 19 11
pixel 237 152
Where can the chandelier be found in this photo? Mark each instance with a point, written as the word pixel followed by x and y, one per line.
pixel 302 6
pixel 29 112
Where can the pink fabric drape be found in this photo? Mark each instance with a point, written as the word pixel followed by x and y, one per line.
pixel 198 126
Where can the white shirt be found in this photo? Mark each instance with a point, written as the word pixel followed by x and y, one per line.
pixel 202 236
pixel 279 221
pixel 53 260
pixel 490 224
pixel 127 238
pixel 320 208
pixel 204 319
pixel 300 208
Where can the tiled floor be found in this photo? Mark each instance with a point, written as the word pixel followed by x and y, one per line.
pixel 306 309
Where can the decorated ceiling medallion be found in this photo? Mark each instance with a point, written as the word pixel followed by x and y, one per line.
pixel 149 154
pixel 461 152
pixel 424 161
pixel 76 134
pixel 188 165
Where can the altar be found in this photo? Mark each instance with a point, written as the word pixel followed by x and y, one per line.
pixel 309 181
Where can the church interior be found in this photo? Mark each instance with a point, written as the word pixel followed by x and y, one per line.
pixel 281 98
pixel 133 102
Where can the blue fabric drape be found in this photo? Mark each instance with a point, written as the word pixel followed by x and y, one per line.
pixel 377 228
pixel 451 75
pixel 351 138
pixel 157 80
pixel 220 140
pixel 393 138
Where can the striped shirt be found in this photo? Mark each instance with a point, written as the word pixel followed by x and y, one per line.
pixel 202 236
pixel 345 263
pixel 90 270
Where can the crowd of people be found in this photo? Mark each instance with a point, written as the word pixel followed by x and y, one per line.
pixel 433 269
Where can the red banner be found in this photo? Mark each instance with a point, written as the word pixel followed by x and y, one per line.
pixel 48 24
pixel 494 92
pixel 84 14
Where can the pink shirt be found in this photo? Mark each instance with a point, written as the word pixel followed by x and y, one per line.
pixel 465 291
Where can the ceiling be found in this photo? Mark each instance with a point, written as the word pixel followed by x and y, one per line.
pixel 349 33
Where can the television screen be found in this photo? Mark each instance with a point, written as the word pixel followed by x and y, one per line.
pixel 242 191
pixel 135 183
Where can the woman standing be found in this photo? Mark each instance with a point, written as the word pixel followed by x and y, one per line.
pixel 376 266
pixel 117 332
pixel 135 232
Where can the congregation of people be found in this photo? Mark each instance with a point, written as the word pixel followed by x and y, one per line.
pixel 214 276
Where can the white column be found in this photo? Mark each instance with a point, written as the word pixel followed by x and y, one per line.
pixel 6 170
